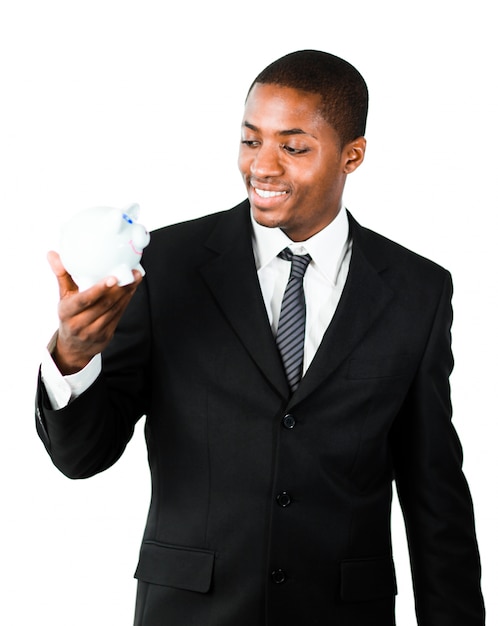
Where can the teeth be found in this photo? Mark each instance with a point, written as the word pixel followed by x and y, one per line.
pixel 263 193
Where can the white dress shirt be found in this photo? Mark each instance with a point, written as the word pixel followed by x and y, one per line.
pixel 62 389
pixel 324 280
pixel 330 251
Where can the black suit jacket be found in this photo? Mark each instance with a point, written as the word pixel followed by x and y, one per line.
pixel 270 509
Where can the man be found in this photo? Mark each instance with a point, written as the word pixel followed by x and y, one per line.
pixel 290 364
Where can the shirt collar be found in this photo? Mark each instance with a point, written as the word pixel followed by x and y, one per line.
pixel 327 247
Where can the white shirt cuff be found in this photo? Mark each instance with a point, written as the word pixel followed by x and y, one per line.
pixel 62 389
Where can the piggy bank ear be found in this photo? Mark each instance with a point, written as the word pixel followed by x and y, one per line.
pixel 132 211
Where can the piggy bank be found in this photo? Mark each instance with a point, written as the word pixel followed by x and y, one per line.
pixel 101 242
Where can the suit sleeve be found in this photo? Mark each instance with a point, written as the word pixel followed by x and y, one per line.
pixel 91 432
pixel 433 491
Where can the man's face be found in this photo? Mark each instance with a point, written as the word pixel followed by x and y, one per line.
pixel 292 162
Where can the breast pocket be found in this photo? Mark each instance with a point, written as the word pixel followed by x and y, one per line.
pixel 175 566
pixel 389 366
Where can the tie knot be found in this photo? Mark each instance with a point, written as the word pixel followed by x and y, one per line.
pixel 299 262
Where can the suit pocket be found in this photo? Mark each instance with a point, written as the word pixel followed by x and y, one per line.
pixel 367 579
pixel 380 367
pixel 175 566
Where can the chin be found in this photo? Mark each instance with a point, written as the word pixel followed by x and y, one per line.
pixel 266 218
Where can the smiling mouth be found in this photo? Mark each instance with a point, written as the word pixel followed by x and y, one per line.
pixel 135 250
pixel 264 193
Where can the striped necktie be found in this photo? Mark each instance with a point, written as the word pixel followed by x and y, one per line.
pixel 292 322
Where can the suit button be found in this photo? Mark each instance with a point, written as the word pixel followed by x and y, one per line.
pixel 284 499
pixel 278 576
pixel 289 421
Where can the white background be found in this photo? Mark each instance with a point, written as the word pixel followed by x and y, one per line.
pixel 107 102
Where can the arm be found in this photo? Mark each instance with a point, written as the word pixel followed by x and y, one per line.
pixel 91 432
pixel 433 492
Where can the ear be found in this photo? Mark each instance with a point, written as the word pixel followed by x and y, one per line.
pixel 354 153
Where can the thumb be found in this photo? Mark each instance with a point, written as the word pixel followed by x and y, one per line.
pixel 66 283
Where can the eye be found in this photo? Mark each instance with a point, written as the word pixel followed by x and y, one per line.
pixel 250 143
pixel 294 151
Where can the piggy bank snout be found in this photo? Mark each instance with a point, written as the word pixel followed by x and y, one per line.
pixel 141 236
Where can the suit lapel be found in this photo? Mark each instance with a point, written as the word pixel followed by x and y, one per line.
pixel 364 298
pixel 232 279
pixel 231 276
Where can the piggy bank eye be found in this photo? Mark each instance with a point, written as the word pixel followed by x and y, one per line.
pixel 127 218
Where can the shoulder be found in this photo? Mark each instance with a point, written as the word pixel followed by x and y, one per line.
pixel 189 238
pixel 385 254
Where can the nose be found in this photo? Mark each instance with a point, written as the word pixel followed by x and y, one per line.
pixel 266 162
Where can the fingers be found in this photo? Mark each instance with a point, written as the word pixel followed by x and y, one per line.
pixel 66 283
pixel 98 305
pixel 88 320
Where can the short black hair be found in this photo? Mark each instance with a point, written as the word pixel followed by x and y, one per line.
pixel 342 88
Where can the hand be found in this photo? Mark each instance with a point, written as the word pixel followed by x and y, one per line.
pixel 87 319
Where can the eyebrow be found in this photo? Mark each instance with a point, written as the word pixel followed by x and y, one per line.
pixel 284 133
